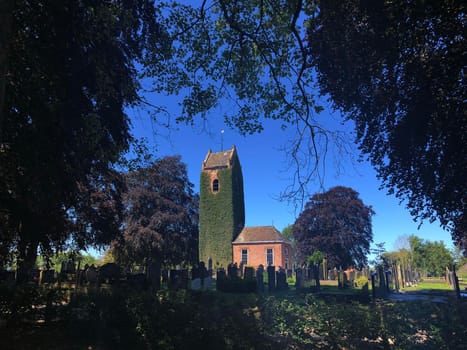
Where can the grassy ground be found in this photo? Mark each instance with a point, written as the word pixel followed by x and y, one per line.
pixel 123 318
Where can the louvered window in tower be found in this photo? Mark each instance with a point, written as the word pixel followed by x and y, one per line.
pixel 215 185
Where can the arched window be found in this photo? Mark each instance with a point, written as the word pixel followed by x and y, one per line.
pixel 215 185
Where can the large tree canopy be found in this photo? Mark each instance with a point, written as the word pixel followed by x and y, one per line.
pixel 69 73
pixel 397 68
pixel 247 60
pixel 161 215
pixel 68 69
pixel 337 224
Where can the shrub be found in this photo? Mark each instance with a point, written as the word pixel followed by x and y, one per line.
pixel 361 281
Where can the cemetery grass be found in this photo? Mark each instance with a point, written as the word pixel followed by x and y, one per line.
pixel 119 317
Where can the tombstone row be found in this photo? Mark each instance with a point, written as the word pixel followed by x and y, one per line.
pixel 198 278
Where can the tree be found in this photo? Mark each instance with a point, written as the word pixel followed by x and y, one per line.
pixel 70 71
pixel 315 260
pixel 55 261
pixel 397 69
pixel 161 216
pixel 378 252
pixel 252 54
pixel 430 257
pixel 337 224
pixel 287 232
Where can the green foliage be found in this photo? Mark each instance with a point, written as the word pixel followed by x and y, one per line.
pixel 431 257
pixel 254 54
pixel 19 303
pixel 120 318
pixel 327 323
pixel 287 232
pixel 69 71
pixel 246 51
pixel 55 261
pixel 315 258
pixel 222 215
pixel 361 281
pixel 396 68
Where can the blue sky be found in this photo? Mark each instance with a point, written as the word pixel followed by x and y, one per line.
pixel 265 172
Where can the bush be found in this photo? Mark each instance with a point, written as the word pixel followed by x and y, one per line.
pixel 361 281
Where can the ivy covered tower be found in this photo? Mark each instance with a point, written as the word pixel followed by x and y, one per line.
pixel 221 207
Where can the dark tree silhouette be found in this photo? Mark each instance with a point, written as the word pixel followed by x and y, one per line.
pixel 161 216
pixel 397 68
pixel 68 68
pixel 337 224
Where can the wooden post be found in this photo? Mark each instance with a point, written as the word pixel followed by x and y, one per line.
pixel 373 285
pixel 456 282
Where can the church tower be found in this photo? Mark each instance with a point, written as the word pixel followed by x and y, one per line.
pixel 221 207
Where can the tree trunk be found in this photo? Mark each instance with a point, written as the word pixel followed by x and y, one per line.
pixel 6 17
pixel 316 275
pixel 26 260
pixel 154 273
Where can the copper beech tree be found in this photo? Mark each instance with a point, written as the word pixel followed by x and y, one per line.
pixel 161 216
pixel 338 224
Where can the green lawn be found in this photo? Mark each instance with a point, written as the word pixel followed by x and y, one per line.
pixel 429 286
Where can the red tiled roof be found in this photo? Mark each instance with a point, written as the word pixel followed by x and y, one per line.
pixel 218 159
pixel 259 234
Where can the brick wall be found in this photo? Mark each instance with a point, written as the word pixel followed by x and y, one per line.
pixel 257 254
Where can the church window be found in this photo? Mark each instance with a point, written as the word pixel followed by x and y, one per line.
pixel 215 185
pixel 269 257
pixel 244 256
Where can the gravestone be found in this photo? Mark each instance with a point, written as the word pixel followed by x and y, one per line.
pixel 345 280
pixel 7 276
pixel 184 280
pixel 351 278
pixel 232 271
pixel 33 275
pixel 109 273
pixel 91 275
pixel 154 274
pixel 202 271
pixel 298 279
pixel 260 278
pixel 271 270
pixel 47 276
pixel 165 276
pixel 195 273
pixel 249 273
pixel 179 279
pixel 195 284
pixel 208 283
pixel 281 280
pixel 220 274
pixel 137 280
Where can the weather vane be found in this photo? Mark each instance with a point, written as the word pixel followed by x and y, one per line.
pixel 222 140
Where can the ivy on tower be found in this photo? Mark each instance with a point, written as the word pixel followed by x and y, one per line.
pixel 222 207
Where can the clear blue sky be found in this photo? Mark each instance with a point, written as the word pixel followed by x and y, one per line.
pixel 265 173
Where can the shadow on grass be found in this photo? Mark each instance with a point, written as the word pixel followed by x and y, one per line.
pixel 119 318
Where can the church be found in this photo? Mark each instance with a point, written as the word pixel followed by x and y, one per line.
pixel 223 237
